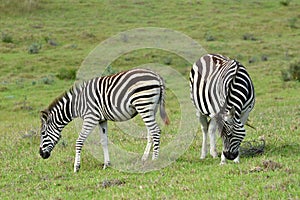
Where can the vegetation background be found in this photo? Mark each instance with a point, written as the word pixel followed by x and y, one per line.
pixel 43 43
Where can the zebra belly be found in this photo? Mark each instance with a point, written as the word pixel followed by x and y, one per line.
pixel 120 113
pixel 127 114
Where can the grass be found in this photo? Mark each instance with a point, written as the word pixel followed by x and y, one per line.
pixel 28 83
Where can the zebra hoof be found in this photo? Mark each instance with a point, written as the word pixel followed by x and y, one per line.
pixel 223 163
pixel 106 165
pixel 145 157
pixel 76 168
pixel 214 154
pixel 154 158
pixel 202 157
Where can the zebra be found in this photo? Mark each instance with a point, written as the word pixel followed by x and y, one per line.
pixel 223 94
pixel 117 97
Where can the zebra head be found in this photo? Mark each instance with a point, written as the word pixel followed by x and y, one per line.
pixel 50 134
pixel 232 133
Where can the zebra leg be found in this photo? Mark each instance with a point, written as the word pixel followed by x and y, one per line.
pixel 104 142
pixel 237 159
pixel 153 136
pixel 147 110
pixel 204 126
pixel 223 159
pixel 212 127
pixel 86 129
pixel 148 147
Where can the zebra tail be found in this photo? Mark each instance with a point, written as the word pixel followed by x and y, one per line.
pixel 162 110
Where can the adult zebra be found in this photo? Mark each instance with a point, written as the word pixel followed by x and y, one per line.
pixel 222 90
pixel 117 97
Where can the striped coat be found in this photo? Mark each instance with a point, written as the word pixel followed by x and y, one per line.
pixel 222 91
pixel 118 97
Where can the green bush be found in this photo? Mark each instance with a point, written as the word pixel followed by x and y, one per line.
pixel 285 2
pixel 6 38
pixel 293 73
pixel 48 80
pixel 109 71
pixel 249 36
pixel 34 48
pixel 295 70
pixel 167 60
pixel 292 22
pixel 66 74
pixel 209 37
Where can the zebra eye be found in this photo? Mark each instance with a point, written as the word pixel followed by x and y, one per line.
pixel 43 129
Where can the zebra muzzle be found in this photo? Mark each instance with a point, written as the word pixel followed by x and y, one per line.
pixel 230 155
pixel 44 154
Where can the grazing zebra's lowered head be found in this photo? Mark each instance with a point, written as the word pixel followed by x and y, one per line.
pixel 222 91
pixel 53 120
pixel 232 132
pixel 47 142
pixel 118 97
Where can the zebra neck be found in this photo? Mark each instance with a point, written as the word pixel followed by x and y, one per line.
pixel 63 111
pixel 77 100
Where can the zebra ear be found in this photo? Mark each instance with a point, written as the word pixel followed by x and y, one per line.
pixel 44 115
pixel 232 112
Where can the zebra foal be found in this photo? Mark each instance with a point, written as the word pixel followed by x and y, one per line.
pixel 118 97
pixel 222 90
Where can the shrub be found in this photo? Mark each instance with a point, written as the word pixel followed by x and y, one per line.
pixel 286 76
pixel 6 38
pixel 285 2
pixel 34 48
pixel 248 36
pixel 292 22
pixel 167 60
pixel 109 71
pixel 264 58
pixel 295 70
pixel 66 74
pixel 252 60
pixel 209 37
pixel 3 89
pixel 293 73
pixel 48 80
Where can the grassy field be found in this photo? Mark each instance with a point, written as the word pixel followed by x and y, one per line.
pixel 44 42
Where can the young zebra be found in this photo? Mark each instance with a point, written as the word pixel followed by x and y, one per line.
pixel 222 90
pixel 117 97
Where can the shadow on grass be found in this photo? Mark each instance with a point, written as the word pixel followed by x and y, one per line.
pixel 286 150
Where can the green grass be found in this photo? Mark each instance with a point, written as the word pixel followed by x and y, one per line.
pixel 28 83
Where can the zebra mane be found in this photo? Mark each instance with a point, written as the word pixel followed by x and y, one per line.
pixel 58 99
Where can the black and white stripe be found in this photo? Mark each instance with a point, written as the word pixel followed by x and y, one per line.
pixel 118 97
pixel 222 90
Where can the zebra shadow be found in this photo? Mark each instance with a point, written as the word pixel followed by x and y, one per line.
pixel 284 150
